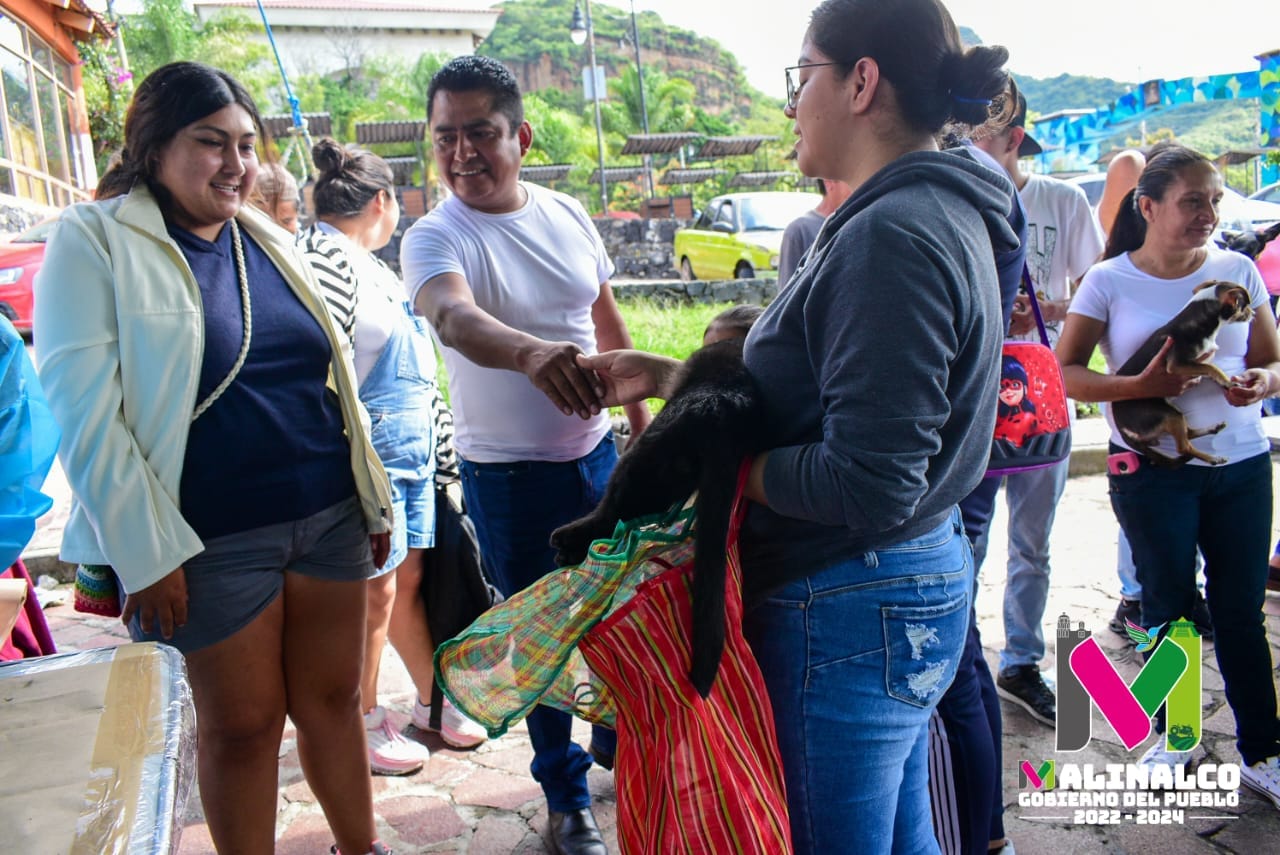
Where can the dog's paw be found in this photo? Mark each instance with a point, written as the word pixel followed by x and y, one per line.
pixel 1215 429
pixel 1216 461
pixel 571 543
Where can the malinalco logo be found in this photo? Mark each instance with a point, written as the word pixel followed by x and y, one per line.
pixel 1170 676
pixel 1036 777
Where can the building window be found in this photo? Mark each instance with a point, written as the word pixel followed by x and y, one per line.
pixel 38 155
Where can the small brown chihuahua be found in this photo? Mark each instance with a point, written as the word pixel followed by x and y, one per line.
pixel 1194 331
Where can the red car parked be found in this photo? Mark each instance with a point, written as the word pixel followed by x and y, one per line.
pixel 20 258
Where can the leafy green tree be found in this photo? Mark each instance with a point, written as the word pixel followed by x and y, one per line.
pixel 559 136
pixel 163 32
pixel 106 95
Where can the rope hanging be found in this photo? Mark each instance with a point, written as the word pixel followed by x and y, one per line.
pixel 299 134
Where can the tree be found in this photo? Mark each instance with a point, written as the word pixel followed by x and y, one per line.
pixel 668 100
pixel 559 136
pixel 163 32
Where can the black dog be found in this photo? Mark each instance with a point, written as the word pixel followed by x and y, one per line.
pixel 1249 243
pixel 1194 332
pixel 713 420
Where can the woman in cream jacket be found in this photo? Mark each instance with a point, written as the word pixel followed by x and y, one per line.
pixel 217 451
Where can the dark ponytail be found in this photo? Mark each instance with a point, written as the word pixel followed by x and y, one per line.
pixel 1129 230
pixel 1166 163
pixel 917 47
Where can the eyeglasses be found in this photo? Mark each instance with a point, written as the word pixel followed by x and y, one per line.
pixel 793 89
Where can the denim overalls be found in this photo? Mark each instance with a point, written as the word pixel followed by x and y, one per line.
pixel 397 394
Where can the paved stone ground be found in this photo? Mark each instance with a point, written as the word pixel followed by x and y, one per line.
pixel 484 801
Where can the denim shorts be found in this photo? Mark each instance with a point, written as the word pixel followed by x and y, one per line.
pixel 405 445
pixel 238 575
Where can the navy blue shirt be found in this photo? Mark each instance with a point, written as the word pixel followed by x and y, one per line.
pixel 272 448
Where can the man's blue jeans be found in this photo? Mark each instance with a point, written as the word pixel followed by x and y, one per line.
pixel 1130 588
pixel 1032 501
pixel 1226 510
pixel 515 507
pixel 855 658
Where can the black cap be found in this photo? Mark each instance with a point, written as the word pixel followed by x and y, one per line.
pixel 1029 146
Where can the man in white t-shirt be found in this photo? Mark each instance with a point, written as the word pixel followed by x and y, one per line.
pixel 514 281
pixel 1063 240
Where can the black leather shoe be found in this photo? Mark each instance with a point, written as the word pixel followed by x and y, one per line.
pixel 575 833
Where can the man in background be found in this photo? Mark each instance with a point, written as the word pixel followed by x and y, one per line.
pixel 803 230
pixel 1063 241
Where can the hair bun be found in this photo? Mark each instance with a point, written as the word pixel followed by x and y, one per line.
pixel 329 155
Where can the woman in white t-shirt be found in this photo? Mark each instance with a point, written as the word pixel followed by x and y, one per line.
pixel 1156 255
pixel 395 363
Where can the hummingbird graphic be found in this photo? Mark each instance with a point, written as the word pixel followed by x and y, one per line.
pixel 1144 639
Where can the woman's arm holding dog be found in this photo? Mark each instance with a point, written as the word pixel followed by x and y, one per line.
pixel 1080 335
pixel 629 376
pixel 634 375
pixel 612 334
pixel 1261 380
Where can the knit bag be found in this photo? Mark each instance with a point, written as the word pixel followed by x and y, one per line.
pixel 609 640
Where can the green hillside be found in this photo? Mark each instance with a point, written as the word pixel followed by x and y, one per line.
pixel 1212 127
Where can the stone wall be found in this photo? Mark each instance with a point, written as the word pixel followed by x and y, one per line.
pixel 641 249
pixel 758 292
pixel 18 215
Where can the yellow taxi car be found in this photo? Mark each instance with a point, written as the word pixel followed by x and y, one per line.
pixel 738 235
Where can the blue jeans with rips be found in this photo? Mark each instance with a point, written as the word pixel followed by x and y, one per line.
pixel 515 507
pixel 855 658
pixel 1226 511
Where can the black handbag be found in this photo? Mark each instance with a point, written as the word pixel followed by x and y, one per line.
pixel 454 588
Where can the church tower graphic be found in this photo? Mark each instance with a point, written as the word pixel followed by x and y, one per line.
pixel 1075 713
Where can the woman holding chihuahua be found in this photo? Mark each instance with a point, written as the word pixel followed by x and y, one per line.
pixel 1158 252
pixel 855 564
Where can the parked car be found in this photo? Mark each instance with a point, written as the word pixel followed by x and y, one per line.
pixel 738 235
pixel 1270 193
pixel 20 258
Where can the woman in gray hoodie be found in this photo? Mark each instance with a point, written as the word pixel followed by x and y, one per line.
pixel 879 365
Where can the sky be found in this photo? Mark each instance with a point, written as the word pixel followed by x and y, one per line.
pixel 1128 40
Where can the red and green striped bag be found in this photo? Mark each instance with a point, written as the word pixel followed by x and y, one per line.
pixel 608 640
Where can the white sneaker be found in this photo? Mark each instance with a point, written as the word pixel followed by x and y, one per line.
pixel 455 728
pixel 1263 778
pixel 389 752
pixel 1158 755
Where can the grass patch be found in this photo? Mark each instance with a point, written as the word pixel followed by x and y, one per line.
pixel 671 329
pixel 1099 364
pixel 665 327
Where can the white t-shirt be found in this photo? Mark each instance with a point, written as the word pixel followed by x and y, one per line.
pixel 538 270
pixel 1133 305
pixel 379 300
pixel 1063 239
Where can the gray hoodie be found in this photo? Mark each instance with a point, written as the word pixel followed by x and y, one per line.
pixel 879 364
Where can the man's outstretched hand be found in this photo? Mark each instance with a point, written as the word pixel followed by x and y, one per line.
pixel 553 369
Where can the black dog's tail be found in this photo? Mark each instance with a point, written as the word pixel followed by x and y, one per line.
pixel 717 488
